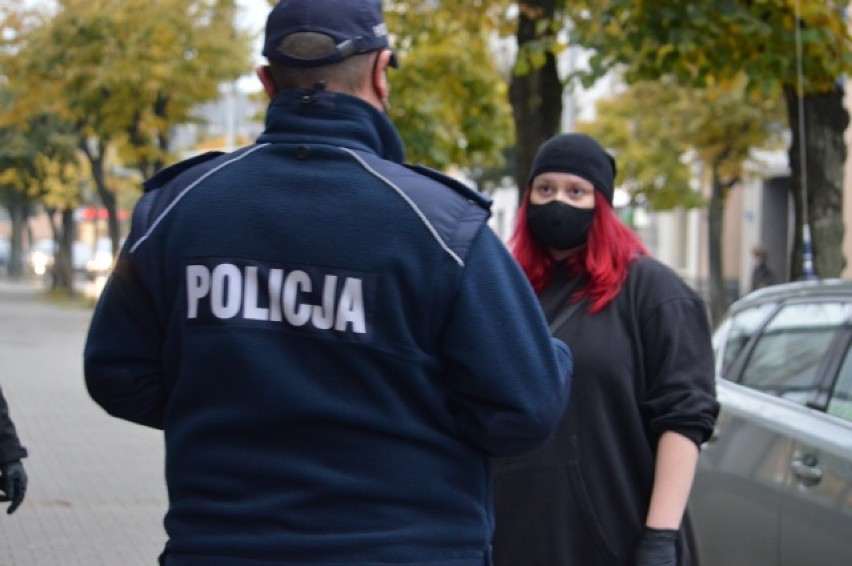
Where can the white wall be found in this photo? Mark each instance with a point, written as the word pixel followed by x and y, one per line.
pixel 503 210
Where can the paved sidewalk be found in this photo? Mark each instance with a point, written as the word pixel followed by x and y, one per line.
pixel 96 492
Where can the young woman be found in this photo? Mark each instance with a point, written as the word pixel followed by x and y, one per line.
pixel 610 488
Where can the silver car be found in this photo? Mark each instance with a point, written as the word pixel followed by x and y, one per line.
pixel 5 251
pixel 774 483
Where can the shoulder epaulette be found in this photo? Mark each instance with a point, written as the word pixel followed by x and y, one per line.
pixel 472 195
pixel 165 175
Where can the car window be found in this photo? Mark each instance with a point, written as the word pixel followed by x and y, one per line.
pixel 840 404
pixel 786 356
pixel 45 246
pixel 736 332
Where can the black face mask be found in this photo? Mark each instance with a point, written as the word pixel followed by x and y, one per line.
pixel 558 225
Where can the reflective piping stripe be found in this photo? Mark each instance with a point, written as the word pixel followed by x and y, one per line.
pixel 408 200
pixel 189 188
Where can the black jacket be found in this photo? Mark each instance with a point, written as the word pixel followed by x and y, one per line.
pixel 10 446
pixel 643 365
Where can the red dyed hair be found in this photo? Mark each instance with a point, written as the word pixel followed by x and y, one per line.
pixel 603 260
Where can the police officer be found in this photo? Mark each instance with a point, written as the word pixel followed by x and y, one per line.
pixel 333 342
pixel 13 478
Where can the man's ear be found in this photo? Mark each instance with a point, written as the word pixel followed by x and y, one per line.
pixel 380 78
pixel 265 76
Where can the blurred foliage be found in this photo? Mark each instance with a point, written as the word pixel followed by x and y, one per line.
pixel 39 161
pixel 647 139
pixel 703 43
pixel 124 70
pixel 656 129
pixel 449 97
pixel 122 73
pixel 39 158
pixel 801 48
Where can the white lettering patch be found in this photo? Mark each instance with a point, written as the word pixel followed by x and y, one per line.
pixel 303 298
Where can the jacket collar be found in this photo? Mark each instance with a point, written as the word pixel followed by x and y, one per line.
pixel 312 116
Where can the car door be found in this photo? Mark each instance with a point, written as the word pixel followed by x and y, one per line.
pixel 739 497
pixel 816 519
pixel 735 506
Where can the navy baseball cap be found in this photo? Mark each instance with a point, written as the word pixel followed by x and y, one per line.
pixel 355 26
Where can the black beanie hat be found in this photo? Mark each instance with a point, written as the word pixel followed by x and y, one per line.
pixel 580 155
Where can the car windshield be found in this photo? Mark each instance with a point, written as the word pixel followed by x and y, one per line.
pixel 44 246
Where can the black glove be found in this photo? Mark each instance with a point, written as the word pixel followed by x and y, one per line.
pixel 13 484
pixel 657 548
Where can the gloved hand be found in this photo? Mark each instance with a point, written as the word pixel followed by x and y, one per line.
pixel 657 548
pixel 13 484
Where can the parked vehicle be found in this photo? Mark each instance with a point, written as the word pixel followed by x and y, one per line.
pixel 41 256
pixel 5 252
pixel 101 262
pixel 774 483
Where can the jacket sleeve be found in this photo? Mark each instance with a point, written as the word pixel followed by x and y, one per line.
pixel 510 380
pixel 122 358
pixel 10 447
pixel 680 390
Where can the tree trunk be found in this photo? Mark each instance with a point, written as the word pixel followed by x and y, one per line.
pixel 536 96
pixel 143 141
pixel 19 210
pixel 110 203
pixel 61 273
pixel 826 119
pixel 96 158
pixel 718 297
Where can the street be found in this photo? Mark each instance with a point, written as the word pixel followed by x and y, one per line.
pixel 96 494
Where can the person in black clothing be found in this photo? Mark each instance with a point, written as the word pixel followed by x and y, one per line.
pixel 13 478
pixel 762 275
pixel 610 489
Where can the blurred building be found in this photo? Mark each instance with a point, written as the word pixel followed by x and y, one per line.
pixel 234 120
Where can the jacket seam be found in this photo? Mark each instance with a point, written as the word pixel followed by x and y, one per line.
pixel 410 203
pixel 186 191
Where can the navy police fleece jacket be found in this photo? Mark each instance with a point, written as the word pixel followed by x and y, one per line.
pixel 334 344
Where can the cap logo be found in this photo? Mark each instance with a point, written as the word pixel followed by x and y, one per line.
pixel 380 30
